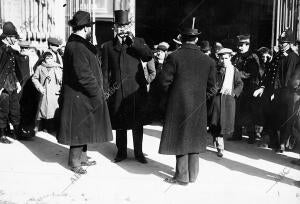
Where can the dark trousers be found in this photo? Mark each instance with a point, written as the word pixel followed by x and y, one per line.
pixel 77 154
pixel 187 167
pixel 9 109
pixel 121 141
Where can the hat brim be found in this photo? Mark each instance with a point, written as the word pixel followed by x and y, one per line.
pixel 122 24
pixel 2 36
pixel 191 34
pixel 80 26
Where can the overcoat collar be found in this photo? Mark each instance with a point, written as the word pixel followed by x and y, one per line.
pixel 87 44
pixel 117 45
pixel 190 46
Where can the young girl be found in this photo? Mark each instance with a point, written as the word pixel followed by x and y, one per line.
pixel 222 110
pixel 47 80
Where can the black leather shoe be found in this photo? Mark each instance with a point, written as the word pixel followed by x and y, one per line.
pixel 141 159
pixel 220 153
pixel 120 158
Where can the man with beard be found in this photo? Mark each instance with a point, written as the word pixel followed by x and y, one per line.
pixel 126 85
pixel 84 113
pixel 248 65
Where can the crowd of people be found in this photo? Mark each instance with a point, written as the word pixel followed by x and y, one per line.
pixel 81 93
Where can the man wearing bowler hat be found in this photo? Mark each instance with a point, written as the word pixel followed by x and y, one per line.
pixel 84 113
pixel 187 75
pixel 125 81
pixel 11 79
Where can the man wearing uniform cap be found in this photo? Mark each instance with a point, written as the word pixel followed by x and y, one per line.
pixel 248 64
pixel 11 79
pixel 84 116
pixel 205 47
pixel 125 82
pixel 185 78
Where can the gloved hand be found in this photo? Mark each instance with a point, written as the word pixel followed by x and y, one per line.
pixel 129 38
pixel 258 92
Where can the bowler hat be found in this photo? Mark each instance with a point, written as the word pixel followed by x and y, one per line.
pixel 81 19
pixel 243 38
pixel 286 36
pixel 9 30
pixel 190 32
pixel 205 46
pixel 121 17
pixel 54 41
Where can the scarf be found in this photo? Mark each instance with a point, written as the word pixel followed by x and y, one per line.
pixel 228 81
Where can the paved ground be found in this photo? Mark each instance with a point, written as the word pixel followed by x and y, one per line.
pixel 35 172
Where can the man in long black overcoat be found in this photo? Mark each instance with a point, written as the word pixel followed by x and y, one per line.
pixel 125 85
pixel 84 113
pixel 186 77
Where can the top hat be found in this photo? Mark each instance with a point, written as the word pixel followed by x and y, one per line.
pixel 224 50
pixel 54 41
pixel 286 36
pixel 205 46
pixel 190 32
pixel 81 19
pixel 121 17
pixel 9 30
pixel 243 38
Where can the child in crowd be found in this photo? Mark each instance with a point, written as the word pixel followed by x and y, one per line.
pixel 222 110
pixel 47 79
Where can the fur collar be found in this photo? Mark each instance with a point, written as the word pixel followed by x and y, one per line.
pixel 73 37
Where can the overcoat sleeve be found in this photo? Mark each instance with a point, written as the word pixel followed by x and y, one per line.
pixel 83 72
pixel 104 67
pixel 166 75
pixel 211 82
pixel 36 78
pixel 238 83
pixel 142 50
pixel 292 61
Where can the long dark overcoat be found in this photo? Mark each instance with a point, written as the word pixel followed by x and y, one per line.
pixel 84 113
pixel 187 75
pixel 125 82
pixel 222 109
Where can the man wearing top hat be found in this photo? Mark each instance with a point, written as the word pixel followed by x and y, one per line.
pixel 84 114
pixel 280 72
pixel 122 68
pixel 11 79
pixel 247 63
pixel 187 75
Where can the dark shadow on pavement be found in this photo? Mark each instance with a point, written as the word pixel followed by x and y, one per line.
pixel 47 151
pixel 156 168
pixel 245 168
